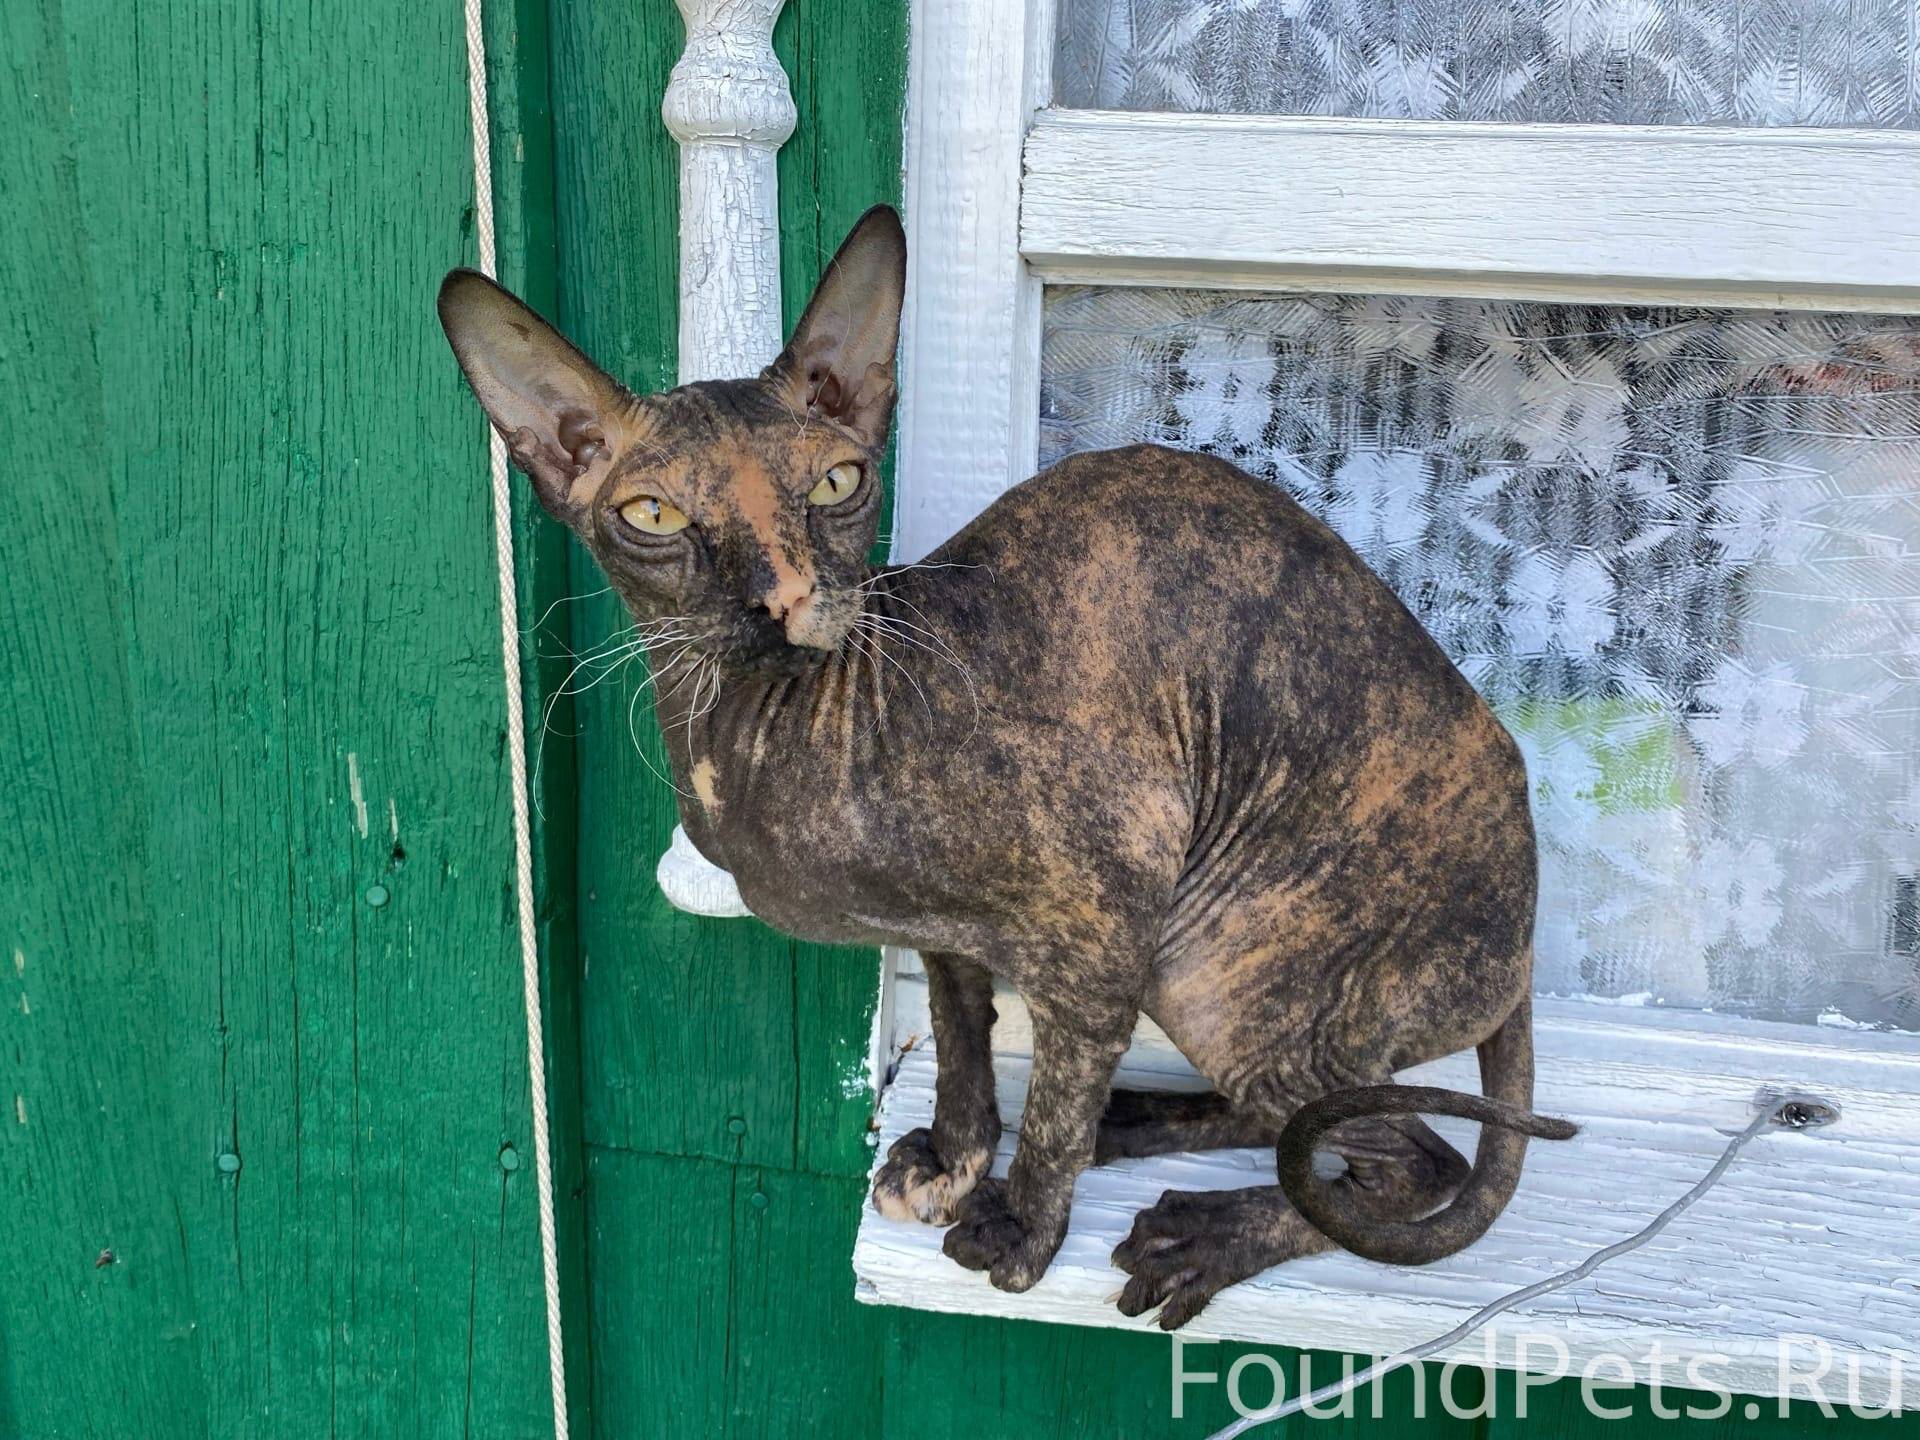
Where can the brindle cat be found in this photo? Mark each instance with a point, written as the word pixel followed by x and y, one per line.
pixel 1145 736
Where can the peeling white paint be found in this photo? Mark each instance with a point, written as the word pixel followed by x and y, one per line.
pixel 20 1108
pixel 1808 1234
pixel 19 962
pixel 693 883
pixel 729 106
pixel 393 818
pixel 970 332
pixel 1834 1020
pixel 856 1080
pixel 359 795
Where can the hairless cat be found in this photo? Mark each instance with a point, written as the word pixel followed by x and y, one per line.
pixel 1146 736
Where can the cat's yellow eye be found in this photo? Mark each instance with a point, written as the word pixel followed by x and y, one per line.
pixel 836 485
pixel 651 515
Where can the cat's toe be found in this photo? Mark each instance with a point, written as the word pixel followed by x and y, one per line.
pixel 1175 1216
pixel 915 1183
pixel 1179 1274
pixel 989 1236
pixel 1180 1279
pixel 1180 1253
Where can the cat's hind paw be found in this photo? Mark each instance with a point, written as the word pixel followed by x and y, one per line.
pixel 916 1184
pixel 1192 1244
pixel 990 1237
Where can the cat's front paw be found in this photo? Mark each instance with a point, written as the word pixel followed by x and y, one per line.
pixel 917 1184
pixel 990 1237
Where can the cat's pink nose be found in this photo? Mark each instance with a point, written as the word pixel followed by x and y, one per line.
pixel 789 595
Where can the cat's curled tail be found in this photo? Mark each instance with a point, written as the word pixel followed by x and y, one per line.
pixel 1506 1075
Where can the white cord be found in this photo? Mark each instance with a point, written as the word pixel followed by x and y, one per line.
pixel 517 746
pixel 1785 1107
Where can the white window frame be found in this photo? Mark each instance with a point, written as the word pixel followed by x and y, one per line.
pixel 1003 196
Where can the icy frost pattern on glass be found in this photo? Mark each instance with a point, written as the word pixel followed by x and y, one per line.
pixel 1679 550
pixel 1625 62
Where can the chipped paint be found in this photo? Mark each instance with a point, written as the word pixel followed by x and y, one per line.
pixel 393 818
pixel 20 1108
pixel 1726 1287
pixel 359 795
pixel 856 1081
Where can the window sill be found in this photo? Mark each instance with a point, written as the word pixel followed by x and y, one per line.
pixel 1811 1234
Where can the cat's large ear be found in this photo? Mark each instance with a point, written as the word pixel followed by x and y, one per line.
pixel 840 359
pixel 558 412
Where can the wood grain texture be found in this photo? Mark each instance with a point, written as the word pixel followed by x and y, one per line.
pixel 262 1024
pixel 970 331
pixel 729 107
pixel 1698 1292
pixel 1648 214
pixel 519 62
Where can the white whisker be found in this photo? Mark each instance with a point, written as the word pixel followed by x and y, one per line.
pixel 564 600
pixel 907 633
pixel 874 637
pixel 640 749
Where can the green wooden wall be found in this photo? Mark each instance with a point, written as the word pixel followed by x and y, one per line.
pixel 263 1128
pixel 264 1071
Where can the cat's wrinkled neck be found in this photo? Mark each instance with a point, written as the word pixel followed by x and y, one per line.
pixel 723 721
pixel 734 733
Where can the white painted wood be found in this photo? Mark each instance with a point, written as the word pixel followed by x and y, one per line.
pixel 1809 1234
pixel 1649 1061
pixel 1796 218
pixel 729 107
pixel 970 331
pixel 693 883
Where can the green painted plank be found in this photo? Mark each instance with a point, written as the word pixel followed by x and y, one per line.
pixel 806 1358
pixel 957 1377
pixel 846 64
pixel 687 1028
pixel 1568 1407
pixel 285 575
pixel 87 1032
pixel 660 1238
pixel 728 1316
pixel 834 994
pixel 520 109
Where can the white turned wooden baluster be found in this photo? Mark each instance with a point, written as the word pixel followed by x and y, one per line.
pixel 729 107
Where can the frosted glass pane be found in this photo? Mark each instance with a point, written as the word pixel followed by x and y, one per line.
pixel 1679 550
pixel 1625 62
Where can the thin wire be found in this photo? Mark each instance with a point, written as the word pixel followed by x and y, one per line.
pixel 1540 1287
pixel 517 745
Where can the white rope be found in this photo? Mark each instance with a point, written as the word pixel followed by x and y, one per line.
pixel 517 746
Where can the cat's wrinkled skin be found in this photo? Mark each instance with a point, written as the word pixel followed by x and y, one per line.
pixel 1145 736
